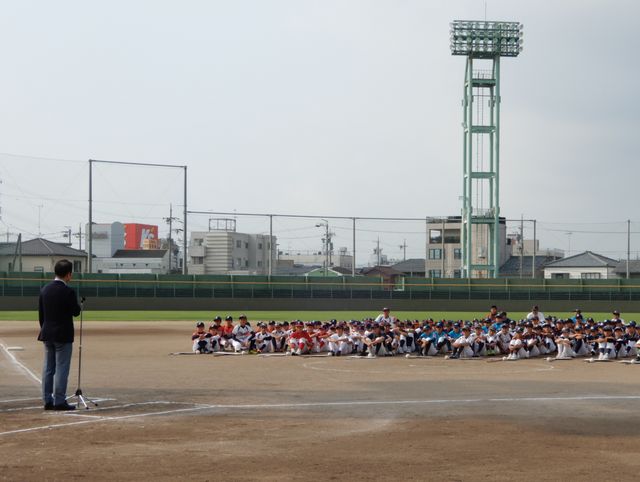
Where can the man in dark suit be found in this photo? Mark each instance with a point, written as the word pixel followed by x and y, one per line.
pixel 58 305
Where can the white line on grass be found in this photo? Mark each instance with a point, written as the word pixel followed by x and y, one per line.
pixel 17 363
pixel 199 407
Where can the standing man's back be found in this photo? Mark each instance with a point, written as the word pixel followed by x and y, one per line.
pixel 58 304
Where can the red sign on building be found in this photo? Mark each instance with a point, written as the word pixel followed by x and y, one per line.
pixel 141 236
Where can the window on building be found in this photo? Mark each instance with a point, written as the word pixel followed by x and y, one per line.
pixel 560 275
pixel 77 266
pixel 435 273
pixel 38 269
pixel 200 260
pixel 590 275
pixel 246 263
pixel 238 244
pixel 457 273
pixel 452 236
pixel 239 260
pixel 435 253
pixel 435 236
pixel 259 264
pixel 269 246
pixel 246 245
pixel 457 253
pixel 198 241
pixel 259 245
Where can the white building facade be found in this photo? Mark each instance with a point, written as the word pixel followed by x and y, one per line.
pixel 134 261
pixel 587 265
pixel 229 252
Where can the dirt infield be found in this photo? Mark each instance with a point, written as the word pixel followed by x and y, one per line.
pixel 280 418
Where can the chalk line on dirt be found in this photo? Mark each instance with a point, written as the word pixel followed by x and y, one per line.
pixel 19 364
pixel 347 403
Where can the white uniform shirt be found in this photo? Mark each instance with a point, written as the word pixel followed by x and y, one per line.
pixel 242 332
pixel 385 319
pixel 532 315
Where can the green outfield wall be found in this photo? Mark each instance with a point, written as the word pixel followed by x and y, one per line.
pixel 125 292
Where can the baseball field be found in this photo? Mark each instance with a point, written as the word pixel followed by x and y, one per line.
pixel 204 417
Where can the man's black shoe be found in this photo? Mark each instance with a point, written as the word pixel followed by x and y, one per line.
pixel 48 406
pixel 64 407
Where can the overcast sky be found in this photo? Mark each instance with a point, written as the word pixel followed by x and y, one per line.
pixel 330 107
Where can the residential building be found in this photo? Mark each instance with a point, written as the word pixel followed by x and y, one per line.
pixel 377 258
pixel 341 259
pixel 444 250
pixel 587 265
pixel 288 268
pixel 390 276
pixel 106 239
pixel 331 272
pixel 528 246
pixel 134 261
pixel 141 236
pixel 229 252
pixel 520 266
pixel 634 269
pixel 411 267
pixel 39 255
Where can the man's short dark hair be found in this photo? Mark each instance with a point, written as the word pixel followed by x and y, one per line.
pixel 63 268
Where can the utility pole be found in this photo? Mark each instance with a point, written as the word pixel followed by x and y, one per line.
pixel 1 211
pixel 535 249
pixel 40 206
pixel 378 250
pixel 326 247
pixel 403 247
pixel 353 262
pixel 170 234
pixel 326 243
pixel 628 245
pixel 67 234
pixel 521 245
pixel 170 221
pixel 79 236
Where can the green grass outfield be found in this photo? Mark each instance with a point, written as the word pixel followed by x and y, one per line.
pixel 282 315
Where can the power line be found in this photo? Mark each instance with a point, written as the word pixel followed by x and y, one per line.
pixel 40 158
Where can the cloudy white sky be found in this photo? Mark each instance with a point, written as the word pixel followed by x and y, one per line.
pixel 336 107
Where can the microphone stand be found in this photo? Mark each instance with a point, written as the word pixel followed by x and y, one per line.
pixel 81 399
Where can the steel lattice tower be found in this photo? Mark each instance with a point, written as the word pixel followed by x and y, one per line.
pixel 482 42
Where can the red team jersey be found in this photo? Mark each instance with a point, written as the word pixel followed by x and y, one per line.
pixel 297 335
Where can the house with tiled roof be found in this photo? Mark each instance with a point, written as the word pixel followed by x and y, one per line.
pixel 39 255
pixel 586 265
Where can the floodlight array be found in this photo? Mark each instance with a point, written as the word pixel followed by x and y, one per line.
pixel 483 39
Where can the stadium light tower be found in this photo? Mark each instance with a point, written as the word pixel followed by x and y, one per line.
pixel 482 42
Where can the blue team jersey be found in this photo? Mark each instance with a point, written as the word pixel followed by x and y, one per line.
pixel 452 334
